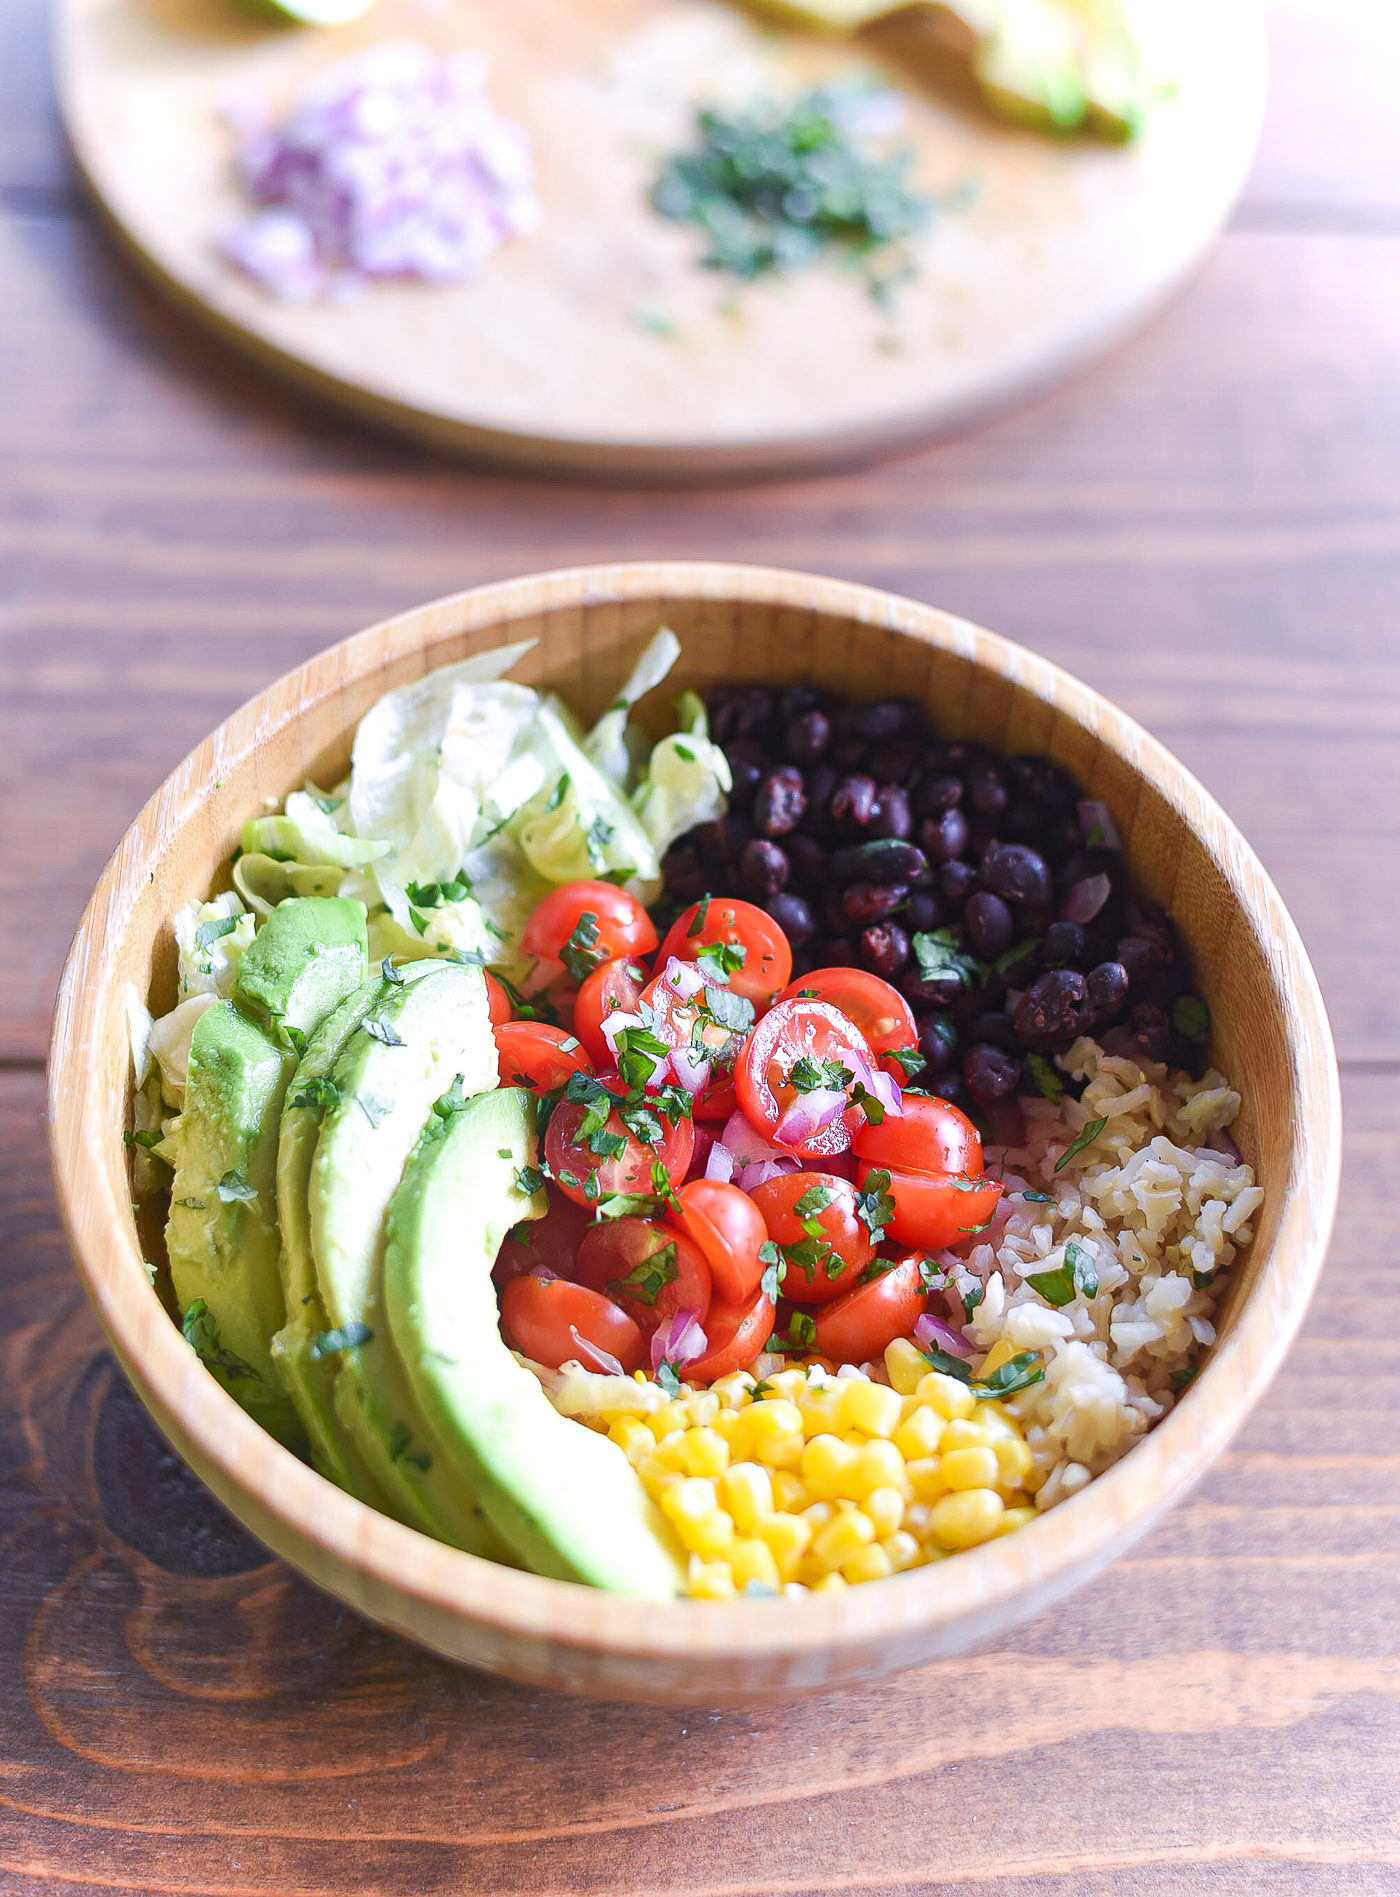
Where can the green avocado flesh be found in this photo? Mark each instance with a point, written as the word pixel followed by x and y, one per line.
pixel 222 1236
pixel 310 953
pixel 402 1056
pixel 565 1499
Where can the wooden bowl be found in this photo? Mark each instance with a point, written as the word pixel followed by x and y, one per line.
pixel 1271 1037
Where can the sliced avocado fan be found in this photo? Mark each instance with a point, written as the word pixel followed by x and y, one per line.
pixel 566 1500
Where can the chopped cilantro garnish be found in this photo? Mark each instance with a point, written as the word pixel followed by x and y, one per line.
pixel 331 1343
pixel 909 1058
pixel 214 929
pixel 808 1075
pixel 1190 1017
pixel 816 1199
pixel 1046 1076
pixel 875 1205
pixel 874 1109
pixel 234 1189
pixel 941 958
pixel 1180 1378
pixel 201 1333
pixel 667 1378
pixel 581 954
pixel 721 959
pixel 1018 952
pixel 382 1030
pixel 146 1140
pixel 735 1012
pixel 697 923
pixel 558 794
pixel 648 1279
pixel 971 1298
pixel 1038 1198
pixel 1086 1138
pixel 318 1095
pixel 391 974
pixel 801 1332
pixel 375 1106
pixel 453 1101
pixel 528 1179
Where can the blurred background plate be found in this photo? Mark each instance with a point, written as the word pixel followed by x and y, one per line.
pixel 598 345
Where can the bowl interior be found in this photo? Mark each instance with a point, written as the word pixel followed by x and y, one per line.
pixel 1269 1036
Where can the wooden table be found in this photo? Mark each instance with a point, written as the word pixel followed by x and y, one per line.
pixel 1207 527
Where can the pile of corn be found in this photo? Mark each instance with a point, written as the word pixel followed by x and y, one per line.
pixel 814 1481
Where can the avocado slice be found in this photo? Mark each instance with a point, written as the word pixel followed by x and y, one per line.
pixel 222 1236
pixel 401 1057
pixel 565 1499
pixel 301 1349
pixel 310 953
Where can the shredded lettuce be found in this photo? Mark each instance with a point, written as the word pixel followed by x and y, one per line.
pixel 613 744
pixel 170 1045
pixel 264 881
pixel 687 778
pixel 303 835
pixel 578 824
pixel 211 937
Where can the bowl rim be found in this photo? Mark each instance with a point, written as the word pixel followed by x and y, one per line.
pixel 943 1608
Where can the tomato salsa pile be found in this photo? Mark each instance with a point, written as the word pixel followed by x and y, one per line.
pixel 736 1161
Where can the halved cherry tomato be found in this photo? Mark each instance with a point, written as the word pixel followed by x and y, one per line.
pixel 497 1002
pixel 814 1213
pixel 727 1226
pixel 651 1271
pixel 573 1162
pixel 685 1021
pixel 858 1327
pixel 934 1211
pixel 620 925
pixel 767 951
pixel 614 988
pixel 813 1031
pixel 929 1136
pixel 545 1318
pixel 551 1242
pixel 533 1054
pixel 735 1334
pixel 881 1013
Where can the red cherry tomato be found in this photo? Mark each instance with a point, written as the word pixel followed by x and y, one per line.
pixel 545 1318
pixel 533 1054
pixel 881 1013
pixel 934 1211
pixel 728 1228
pixel 615 988
pixel 651 1271
pixel 767 952
pixel 497 1002
pixel 573 1162
pixel 620 926
pixel 815 1213
pixel 858 1326
pixel 789 1032
pixel 684 1021
pixel 929 1136
pixel 735 1335
pixel 550 1243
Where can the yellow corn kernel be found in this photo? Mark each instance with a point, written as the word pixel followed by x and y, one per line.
pixel 920 1433
pixel 705 1452
pixel 818 1514
pixel 632 1437
pixel 690 1500
pixel 730 1425
pixel 789 1491
pixel 873 1407
pixel 781 1452
pixel 918 1519
pixel 829 1584
pixel 878 1465
pixel 1001 1352
pixel 949 1397
pixel 732 1390
pixel 1014 1460
pixel 1015 1518
pixel 844 1535
pixel 904 1365
pixel 961 1434
pixel 775 1416
pixel 821 1411
pixel 670 1452
pixel 704 1408
pixel 972 1468
pixel 885 1507
pixel 789 1383
pixel 747 1489
pixel 826 1460
pixel 871 1564
pixel 789 1538
pixel 711 1536
pixel 964 1519
pixel 994 1419
pixel 902 1549
pixel 709 1580
pixel 752 1560
pixel 656 1477
pixel 926 1478
pixel 666 1417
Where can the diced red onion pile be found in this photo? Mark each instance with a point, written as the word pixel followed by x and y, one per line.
pixel 392 164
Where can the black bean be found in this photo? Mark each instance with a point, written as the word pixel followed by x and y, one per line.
pixel 821 781
pixel 982 833
pixel 939 791
pixel 1054 1009
pixel 991 927
pixel 988 788
pixel 884 948
pixel 807 857
pixel 887 718
pixel 943 991
pixel 953 1088
pixel 853 801
pixel 1066 945
pixel 780 802
pixel 923 910
pixel 1018 873
pixel 938 1041
pixel 796 700
pixel 866 902
pixel 996 1028
pixel 957 880
pixel 1108 988
pixel 1082 863
pixel 882 860
pixel 848 753
pixel 1025 822
pixel 746 775
pixel 807 737
pixel 893 817
pixel 838 953
pixel 683 873
pixel 989 1073
pixel 793 917
pixel 902 760
pixel 1026 953
pixel 1141 957
pixel 1151 1029
pixel 834 908
pixel 1044 781
pixel 943 837
pixel 756 713
pixel 763 869
pixel 722 839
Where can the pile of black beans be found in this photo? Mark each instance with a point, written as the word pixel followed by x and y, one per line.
pixel 859 831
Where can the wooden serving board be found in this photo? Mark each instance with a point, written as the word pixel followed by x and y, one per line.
pixel 599 345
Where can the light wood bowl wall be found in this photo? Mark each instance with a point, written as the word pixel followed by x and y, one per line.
pixel 1270 1033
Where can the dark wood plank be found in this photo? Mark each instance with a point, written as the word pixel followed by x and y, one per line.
pixel 177 1712
pixel 1207 526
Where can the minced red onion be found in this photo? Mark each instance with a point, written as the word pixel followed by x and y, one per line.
pixel 693 1073
pixel 1093 816
pixel 1086 898
pixel 592 1356
pixel 683 978
pixel 932 1332
pixel 391 164
pixel 678 1339
pixel 721 1163
pixel 615 1025
pixel 809 1114
pixel 759 1171
pixel 746 1142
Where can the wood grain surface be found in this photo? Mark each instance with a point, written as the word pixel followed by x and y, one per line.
pixel 1206 527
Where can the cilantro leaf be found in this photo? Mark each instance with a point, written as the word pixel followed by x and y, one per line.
pixel 735 1012
pixel 815 1199
pixel 380 1029
pixel 234 1189
pixel 214 929
pixel 1086 1138
pixel 1017 1373
pixel 331 1343
pixel 721 959
pixel 647 1280
pixel 942 958
pixel 801 1332
pixel 375 1106
pixel 201 1333
pixel 529 1180
pixel 808 1075
pixel 391 974
pixel 667 1378
pixel 152 1136
pixel 875 1204
pixel 319 1095
pixel 697 924
pixel 453 1101
pixel 910 1059
pixel 971 1298
pixel 874 1108
pixel 581 954
pixel 1191 1017
pixel 1046 1076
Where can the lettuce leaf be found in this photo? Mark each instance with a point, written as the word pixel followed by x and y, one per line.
pixel 687 778
pixel 210 938
pixel 579 824
pixel 611 744
pixel 170 1045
